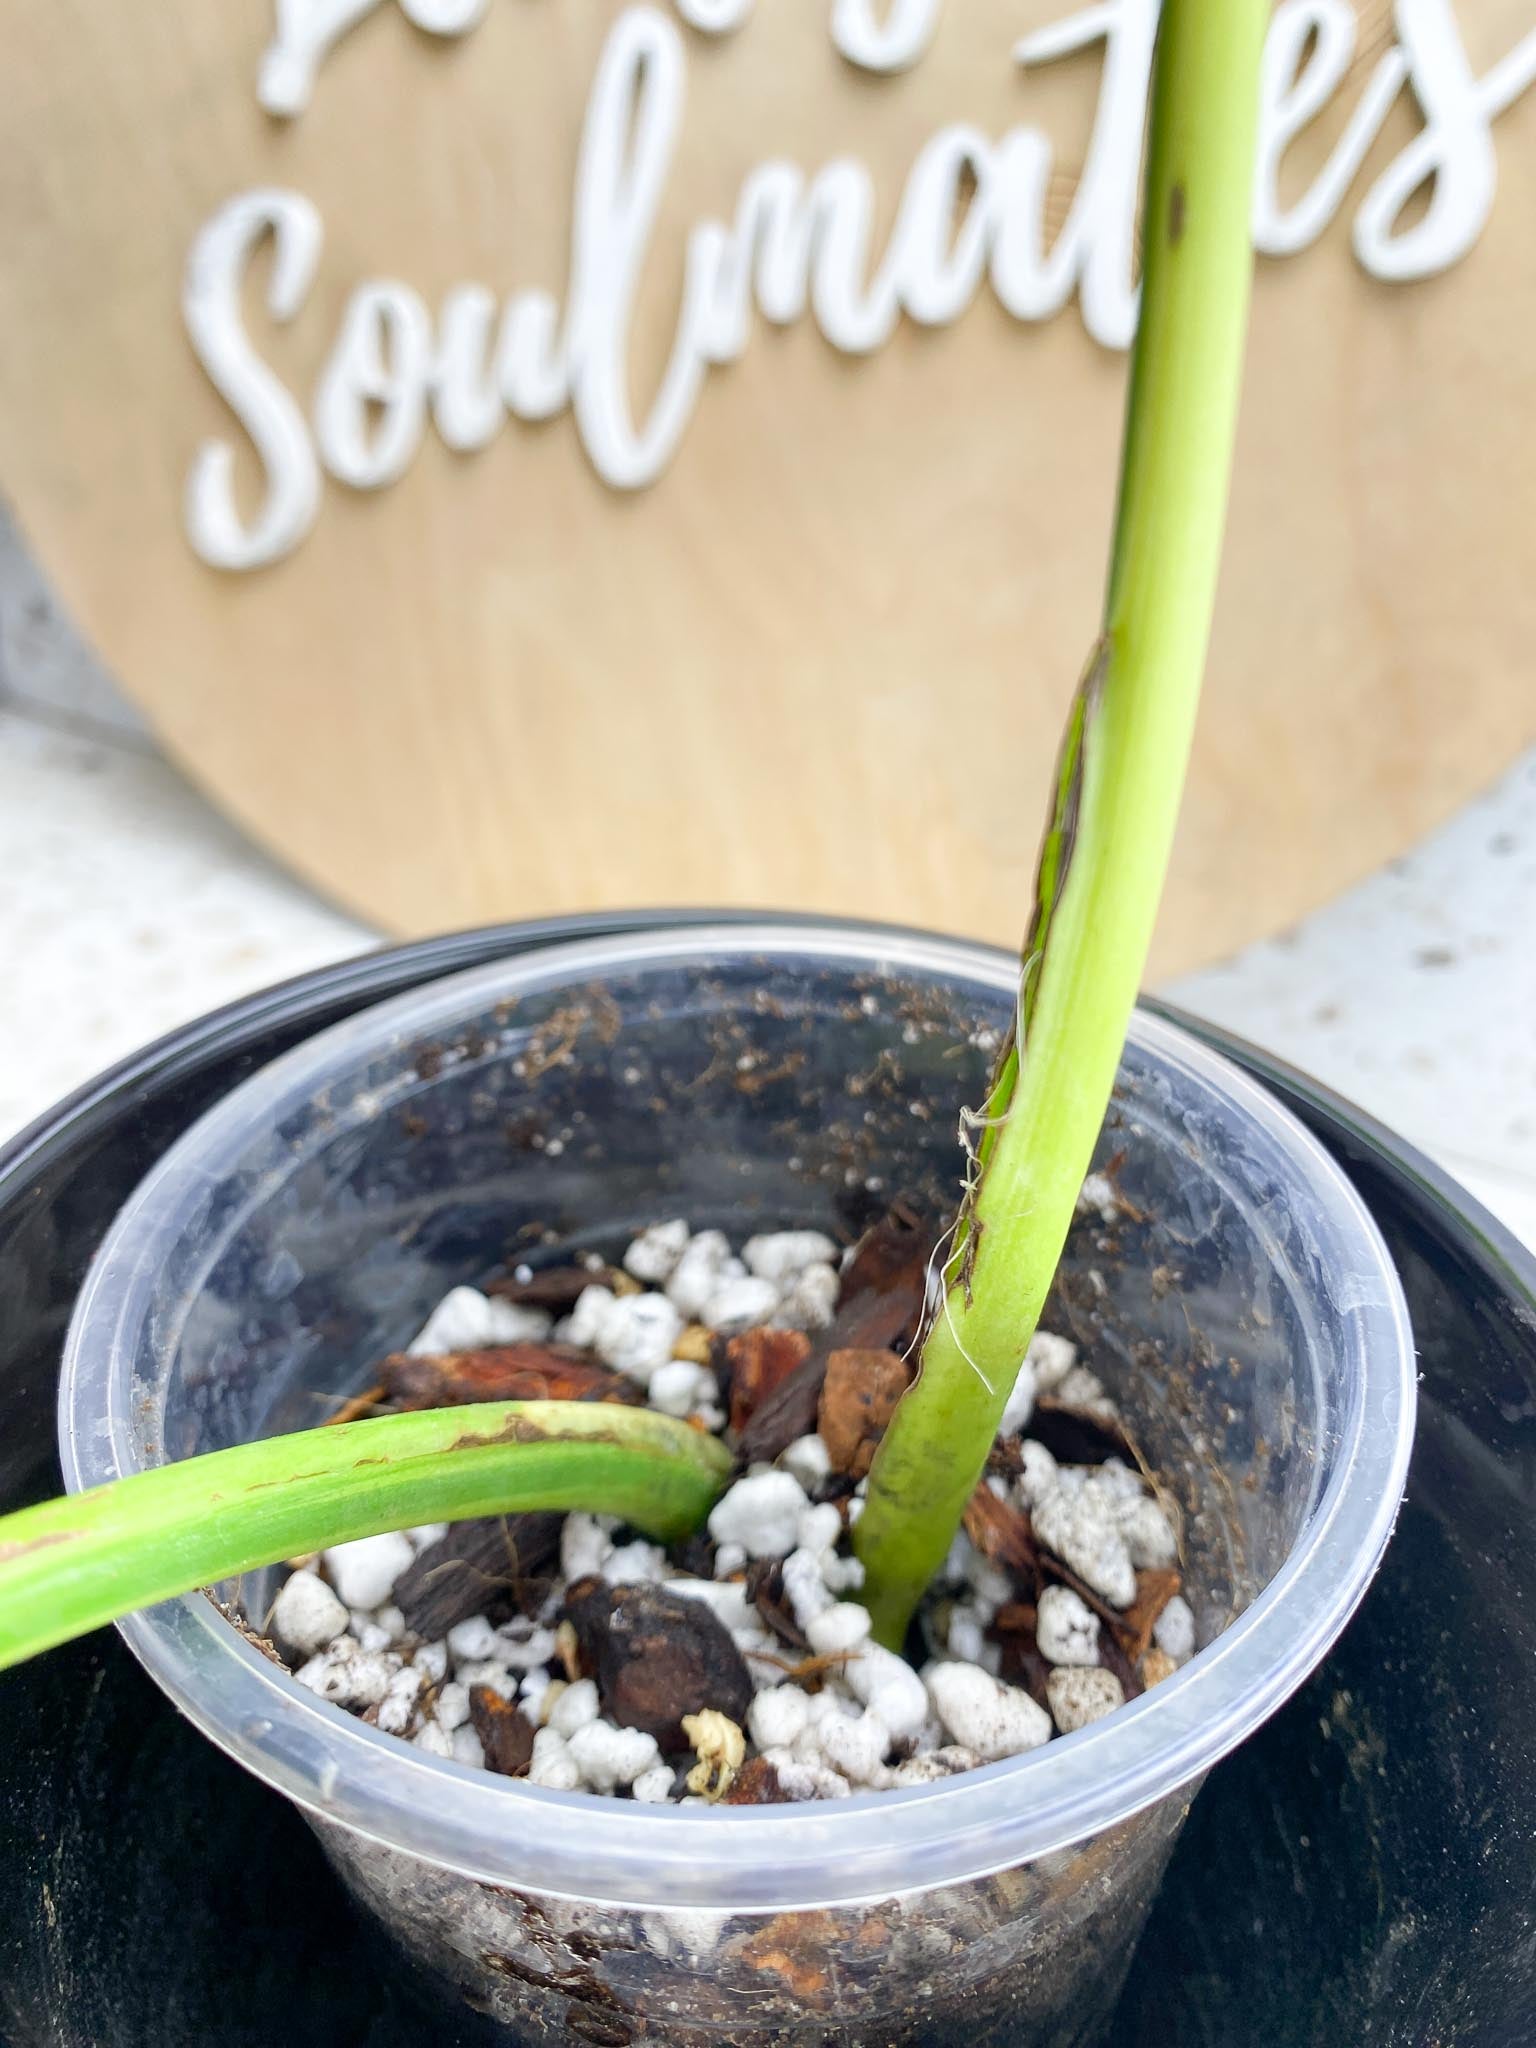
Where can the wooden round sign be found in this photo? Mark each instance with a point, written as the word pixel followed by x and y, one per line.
pixel 526 454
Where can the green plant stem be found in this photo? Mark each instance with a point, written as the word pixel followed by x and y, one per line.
pixel 67 1566
pixel 1107 844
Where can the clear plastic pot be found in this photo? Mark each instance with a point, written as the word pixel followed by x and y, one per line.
pixel 1242 1306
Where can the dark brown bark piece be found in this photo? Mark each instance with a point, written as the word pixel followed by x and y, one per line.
pixel 880 1303
pixel 557 1288
pixel 498 1566
pixel 1002 1533
pixel 1023 1664
pixel 756 1784
pixel 1154 1589
pixel 658 1656
pixel 1112 1656
pixel 757 1363
pixel 505 1732
pixel 858 1399
pixel 1073 1437
pixel 502 1372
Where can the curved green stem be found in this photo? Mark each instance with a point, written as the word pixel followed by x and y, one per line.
pixel 1116 802
pixel 67 1566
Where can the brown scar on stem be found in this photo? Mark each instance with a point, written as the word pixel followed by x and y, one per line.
pixel 12 1553
pixel 520 1431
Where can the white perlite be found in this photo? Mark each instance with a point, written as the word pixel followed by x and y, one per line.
pixel 467 1320
pixel 1078 1697
pixel 873 1721
pixel 1174 1630
pixel 1081 1530
pixel 306 1615
pixel 655 1252
pixel 761 1512
pixel 364 1573
pixel 1066 1627
pixel 983 1714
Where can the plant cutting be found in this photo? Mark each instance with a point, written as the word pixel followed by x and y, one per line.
pixel 607 1140
pixel 70 1565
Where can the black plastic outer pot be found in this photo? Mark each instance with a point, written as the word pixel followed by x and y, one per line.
pixel 1412 1754
pixel 1245 1311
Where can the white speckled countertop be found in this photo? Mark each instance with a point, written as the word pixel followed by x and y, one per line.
pixel 127 905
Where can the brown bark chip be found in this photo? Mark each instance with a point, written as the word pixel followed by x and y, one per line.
pixel 658 1656
pixel 502 1372
pixel 757 1363
pixel 498 1566
pixel 557 1288
pixel 880 1302
pixel 858 1399
pixel 756 1784
pixel 505 1732
pixel 1002 1534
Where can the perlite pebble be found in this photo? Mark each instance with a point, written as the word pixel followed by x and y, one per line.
pixel 808 1460
pixel 306 1615
pixel 1084 1390
pixel 1020 1404
pixel 983 1714
pixel 888 1685
pixel 780 1254
pixel 839 1628
pixel 818 1528
pixel 677 1388
pixel 808 1302
pixel 635 1564
pixel 467 1749
pixel 576 1706
pixel 1038 1475
pixel 965 1637
pixel 1174 1630
pixel 452 1706
pixel 552 1764
pixel 854 1745
pixel 1080 1529
pixel 364 1573
pixel 778 1716
pixel 1078 1697
pixel 584 1545
pixel 800 1780
pixel 1066 1627
pixel 522 1644
pixel 431 1660
pixel 706 1262
pixel 737 1304
pixel 935 1764
pixel 467 1320
pixel 655 1252
pixel 349 1675
pixel 472 1640
pixel 654 1786
pixel 1050 1358
pixel 495 1678
pixel 634 1333
pixel 608 1757
pixel 761 1513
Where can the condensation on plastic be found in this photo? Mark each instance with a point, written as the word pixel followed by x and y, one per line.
pixel 1242 1307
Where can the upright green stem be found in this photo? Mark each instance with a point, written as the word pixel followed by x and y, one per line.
pixel 1117 800
pixel 69 1565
